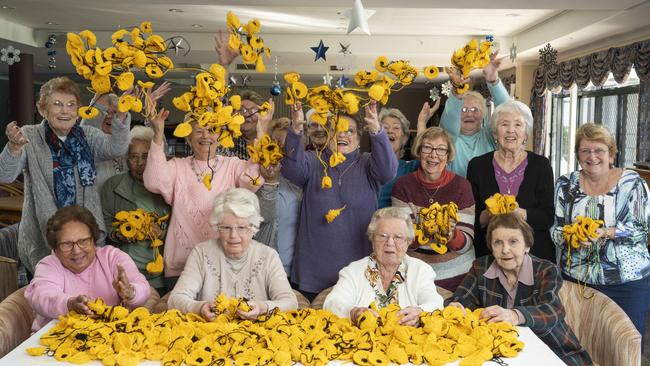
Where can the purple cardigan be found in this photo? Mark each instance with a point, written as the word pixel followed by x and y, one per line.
pixel 322 249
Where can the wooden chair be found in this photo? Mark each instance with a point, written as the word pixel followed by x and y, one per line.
pixel 8 277
pixel 303 303
pixel 601 326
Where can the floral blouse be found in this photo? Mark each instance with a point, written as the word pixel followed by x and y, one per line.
pixel 626 206
pixel 384 298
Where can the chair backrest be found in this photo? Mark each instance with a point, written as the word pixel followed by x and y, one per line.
pixel 303 303
pixel 8 277
pixel 319 300
pixel 16 317
pixel 601 326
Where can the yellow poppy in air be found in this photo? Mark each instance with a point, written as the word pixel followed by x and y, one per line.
pixel 332 214
pixel 431 72
pixel 88 112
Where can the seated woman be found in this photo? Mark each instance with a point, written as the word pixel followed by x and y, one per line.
pixel 233 264
pixel 433 182
pixel 126 192
pixel 516 287
pixel 79 271
pixel 388 275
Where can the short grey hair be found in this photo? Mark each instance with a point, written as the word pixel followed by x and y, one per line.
pixel 396 113
pixel 479 98
pixel 516 107
pixel 240 202
pixel 400 213
pixel 111 98
pixel 141 133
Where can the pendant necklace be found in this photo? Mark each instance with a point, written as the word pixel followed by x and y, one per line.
pixel 195 167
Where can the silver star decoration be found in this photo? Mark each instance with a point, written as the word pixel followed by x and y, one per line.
pixel 345 49
pixel 233 80
pixel 175 45
pixel 244 80
pixel 434 94
pixel 327 79
pixel 513 52
pixel 446 88
pixel 358 17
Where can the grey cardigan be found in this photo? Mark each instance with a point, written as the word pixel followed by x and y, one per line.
pixel 35 161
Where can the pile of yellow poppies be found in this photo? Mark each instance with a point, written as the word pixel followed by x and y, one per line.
pixel 434 225
pixel 313 337
pixel 245 40
pixel 138 225
pixel 472 56
pixel 498 203
pixel 138 48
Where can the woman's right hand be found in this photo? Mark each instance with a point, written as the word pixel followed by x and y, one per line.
pixel 297 117
pixel 208 311
pixel 78 304
pixel 484 217
pixel 356 312
pixel 16 138
pixel 426 113
pixel 226 55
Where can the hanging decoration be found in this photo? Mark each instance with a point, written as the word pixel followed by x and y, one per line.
pixel 245 40
pixel 547 56
pixel 342 82
pixel 176 43
pixel 276 89
pixel 140 225
pixel 358 17
pixel 513 52
pixel 345 48
pixel 434 94
pixel 51 53
pixel 472 56
pixel 446 88
pixel 10 55
pixel 320 51
pixel 245 79
pixel 327 79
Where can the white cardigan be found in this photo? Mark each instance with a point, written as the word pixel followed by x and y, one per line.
pixel 353 289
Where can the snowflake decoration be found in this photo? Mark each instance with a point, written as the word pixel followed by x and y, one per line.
pixel 10 55
pixel 513 53
pixel 547 56
pixel 434 94
pixel 327 79
pixel 447 88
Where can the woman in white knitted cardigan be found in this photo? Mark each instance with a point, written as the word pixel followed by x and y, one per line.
pixel 233 264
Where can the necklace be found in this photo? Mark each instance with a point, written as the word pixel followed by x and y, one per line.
pixel 346 170
pixel 195 167
pixel 428 195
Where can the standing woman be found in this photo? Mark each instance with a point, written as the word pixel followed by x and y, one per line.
pixel 616 263
pixel 511 170
pixel 180 182
pixel 323 248
pixel 57 158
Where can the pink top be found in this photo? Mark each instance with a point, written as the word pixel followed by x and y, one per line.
pixel 177 182
pixel 53 284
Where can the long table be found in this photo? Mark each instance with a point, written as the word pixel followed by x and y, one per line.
pixel 535 352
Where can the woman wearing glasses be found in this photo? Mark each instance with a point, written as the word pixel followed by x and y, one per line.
pixel 433 182
pixel 511 170
pixel 58 160
pixel 78 271
pixel 617 262
pixel 387 275
pixel 233 264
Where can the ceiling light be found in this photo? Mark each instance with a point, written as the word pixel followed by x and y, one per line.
pixel 197 26
pixel 51 23
pixel 176 10
pixel 7 7
pixel 512 15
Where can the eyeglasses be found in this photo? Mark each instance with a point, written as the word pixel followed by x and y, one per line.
pixel 83 243
pixel 240 229
pixel 470 109
pixel 247 113
pixel 587 152
pixel 57 104
pixel 428 149
pixel 135 157
pixel 383 238
pixel 350 132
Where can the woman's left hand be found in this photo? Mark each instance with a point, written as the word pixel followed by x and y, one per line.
pixel 372 121
pixel 496 313
pixel 264 121
pixel 452 229
pixel 123 286
pixel 409 315
pixel 257 308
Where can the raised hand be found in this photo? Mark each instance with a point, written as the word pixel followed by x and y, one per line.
pixel 160 91
pixel 426 113
pixel 78 304
pixel 16 138
pixel 157 120
pixel 297 117
pixel 371 119
pixel 226 55
pixel 121 284
pixel 491 70
pixel 264 121
pixel 455 76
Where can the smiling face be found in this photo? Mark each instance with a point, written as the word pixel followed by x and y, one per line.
pixel 60 110
pixel 594 157
pixel 509 249
pixel 234 241
pixel 432 159
pixel 136 159
pixel 472 117
pixel 390 252
pixel 317 135
pixel 347 141
pixel 250 111
pixel 510 131
pixel 107 122
pixel 398 139
pixel 203 142
pixel 77 259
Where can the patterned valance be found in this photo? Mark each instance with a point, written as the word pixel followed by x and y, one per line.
pixel 595 67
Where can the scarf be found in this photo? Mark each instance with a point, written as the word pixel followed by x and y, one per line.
pixel 445 177
pixel 65 155
pixel 384 298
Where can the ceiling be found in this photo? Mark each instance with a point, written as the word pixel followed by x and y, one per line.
pixel 422 31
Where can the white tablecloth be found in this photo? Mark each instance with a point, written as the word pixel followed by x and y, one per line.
pixel 535 353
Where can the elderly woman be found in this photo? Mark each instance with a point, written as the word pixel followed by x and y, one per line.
pixel 432 182
pixel 57 158
pixel 511 170
pixel 126 192
pixel 78 271
pixel 180 182
pixel 316 134
pixel 617 262
pixel 233 264
pixel 388 275
pixel 517 287
pixel 397 127
pixel 279 203
pixel 323 246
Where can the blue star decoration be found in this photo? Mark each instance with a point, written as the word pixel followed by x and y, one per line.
pixel 320 51
pixel 342 82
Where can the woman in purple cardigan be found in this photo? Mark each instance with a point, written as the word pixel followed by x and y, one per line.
pixel 323 248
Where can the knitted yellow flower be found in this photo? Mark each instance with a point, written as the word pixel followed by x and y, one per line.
pixel 333 214
pixel 245 40
pixel 583 229
pixel 501 204
pixel 138 225
pixel 433 225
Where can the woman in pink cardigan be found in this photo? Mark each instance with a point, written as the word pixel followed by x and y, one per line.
pixel 78 271
pixel 180 182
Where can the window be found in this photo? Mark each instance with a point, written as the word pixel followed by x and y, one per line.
pixel 613 105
